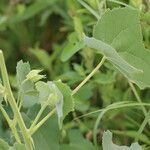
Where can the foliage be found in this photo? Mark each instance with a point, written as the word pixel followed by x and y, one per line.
pixel 88 73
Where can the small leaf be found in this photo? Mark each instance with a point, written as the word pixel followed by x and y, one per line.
pixel 71 47
pixel 50 94
pixel 68 101
pixel 108 144
pixel 43 90
pixel 22 70
pixel 57 100
pixel 24 85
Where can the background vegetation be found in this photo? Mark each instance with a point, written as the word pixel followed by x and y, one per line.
pixel 40 31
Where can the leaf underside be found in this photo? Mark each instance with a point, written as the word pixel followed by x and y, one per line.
pixel 118 36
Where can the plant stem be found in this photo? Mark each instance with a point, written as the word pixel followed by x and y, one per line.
pixel 96 127
pixel 91 10
pixel 11 125
pixel 139 100
pixel 42 122
pixel 38 116
pixel 147 118
pixel 36 127
pixel 89 76
pixel 13 103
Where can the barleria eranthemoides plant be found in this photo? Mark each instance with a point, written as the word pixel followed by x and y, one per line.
pixel 117 37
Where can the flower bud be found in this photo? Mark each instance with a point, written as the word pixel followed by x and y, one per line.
pixel 34 75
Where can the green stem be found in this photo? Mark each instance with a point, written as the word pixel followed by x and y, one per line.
pixel 91 10
pixel 89 76
pixel 11 125
pixel 38 116
pixel 13 103
pixel 147 118
pixel 139 100
pixel 42 122
pixel 96 127
pixel 36 127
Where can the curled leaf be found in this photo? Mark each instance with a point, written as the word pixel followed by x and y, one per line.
pixel 109 145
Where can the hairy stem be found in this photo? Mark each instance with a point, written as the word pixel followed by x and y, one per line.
pixel 89 76
pixel 38 116
pixel 11 125
pixel 36 127
pixel 42 122
pixel 13 103
pixel 139 100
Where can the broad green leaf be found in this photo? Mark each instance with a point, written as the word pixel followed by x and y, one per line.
pixel 68 101
pixel 47 136
pixel 77 142
pixel 4 146
pixel 119 38
pixel 109 145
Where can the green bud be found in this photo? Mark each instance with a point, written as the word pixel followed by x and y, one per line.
pixel 34 75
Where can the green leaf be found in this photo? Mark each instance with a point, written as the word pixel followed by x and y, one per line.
pixel 26 87
pixel 49 94
pixel 77 142
pixel 47 136
pixel 22 70
pixel 72 46
pixel 108 144
pixel 18 147
pixel 68 101
pixel 42 57
pixel 105 78
pixel 32 10
pixel 119 38
pixel 3 145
